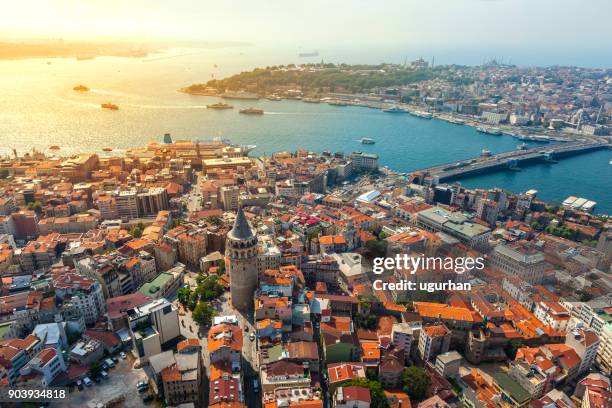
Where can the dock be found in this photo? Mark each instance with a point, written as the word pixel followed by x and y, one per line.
pixel 510 160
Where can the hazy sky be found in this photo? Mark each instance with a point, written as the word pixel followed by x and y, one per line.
pixel 529 24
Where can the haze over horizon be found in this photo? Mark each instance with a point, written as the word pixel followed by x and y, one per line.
pixel 546 31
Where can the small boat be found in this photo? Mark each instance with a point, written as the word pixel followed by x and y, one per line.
pixel 336 103
pixel 54 147
pixel 489 130
pixel 107 149
pixel 251 111
pixel 522 146
pixel 367 140
pixel 273 98
pixel 311 100
pixel 394 109
pixel 80 88
pixel 219 105
pixel 110 106
pixel 485 153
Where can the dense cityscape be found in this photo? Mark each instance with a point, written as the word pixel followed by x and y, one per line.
pixel 189 274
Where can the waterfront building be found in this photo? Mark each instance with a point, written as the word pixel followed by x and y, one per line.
pixel 364 161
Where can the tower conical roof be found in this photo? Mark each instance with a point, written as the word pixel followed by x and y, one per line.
pixel 241 229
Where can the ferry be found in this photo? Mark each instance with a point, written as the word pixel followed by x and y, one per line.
pixel 422 114
pixel 81 88
pixel 251 111
pixel 219 105
pixel 367 140
pixel 394 109
pixel 240 95
pixel 489 130
pixel 110 106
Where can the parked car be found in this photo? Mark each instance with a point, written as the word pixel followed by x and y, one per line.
pixel 109 363
pixel 104 374
pixel 251 337
pixel 123 355
pixel 87 381
pixel 105 366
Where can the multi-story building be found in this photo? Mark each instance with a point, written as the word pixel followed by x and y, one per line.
pixel 586 343
pixel 127 204
pixel 552 314
pixel 433 340
pixel 152 200
pixel 152 326
pixel 49 363
pixel 107 205
pixel 225 344
pixel 403 335
pixel 519 259
pixel 604 355
pixel 230 197
pixel 83 292
pixel 447 364
pixel 458 225
pixel 364 161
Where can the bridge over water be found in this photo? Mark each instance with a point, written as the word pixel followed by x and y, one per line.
pixel 510 160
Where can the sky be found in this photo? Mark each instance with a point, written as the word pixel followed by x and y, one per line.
pixel 560 25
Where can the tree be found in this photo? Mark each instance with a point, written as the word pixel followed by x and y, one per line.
pixel 209 289
pixel 377 248
pixel 214 220
pixel 193 300
pixel 183 295
pixel 36 206
pixel 379 400
pixel 137 231
pixel 95 369
pixel 203 314
pixel 513 347
pixel 416 382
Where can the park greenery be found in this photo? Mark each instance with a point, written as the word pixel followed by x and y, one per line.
pixel 379 400
pixel 197 300
pixel 320 78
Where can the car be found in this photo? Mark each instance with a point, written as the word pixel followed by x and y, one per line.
pixel 142 386
pixel 246 328
pixel 87 381
pixel 115 359
pixel 104 375
pixel 123 355
pixel 251 337
pixel 105 366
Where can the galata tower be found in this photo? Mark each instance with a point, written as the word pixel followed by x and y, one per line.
pixel 241 250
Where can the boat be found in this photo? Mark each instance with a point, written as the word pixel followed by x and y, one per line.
pixel 239 95
pixel 522 146
pixel 367 140
pixel 54 147
pixel 311 100
pixel 489 130
pixel 422 114
pixel 107 149
pixel 610 161
pixel 485 153
pixel 251 111
pixel 394 109
pixel 110 106
pixel 80 88
pixel 274 98
pixel 336 103
pixel 219 105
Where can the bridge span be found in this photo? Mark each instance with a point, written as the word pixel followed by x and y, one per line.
pixel 509 160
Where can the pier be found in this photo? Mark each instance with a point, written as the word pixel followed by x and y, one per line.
pixel 510 160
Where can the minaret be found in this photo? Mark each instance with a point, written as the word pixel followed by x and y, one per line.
pixel 241 249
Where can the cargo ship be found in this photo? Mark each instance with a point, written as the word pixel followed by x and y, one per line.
pixel 219 105
pixel 81 88
pixel 251 111
pixel 110 106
